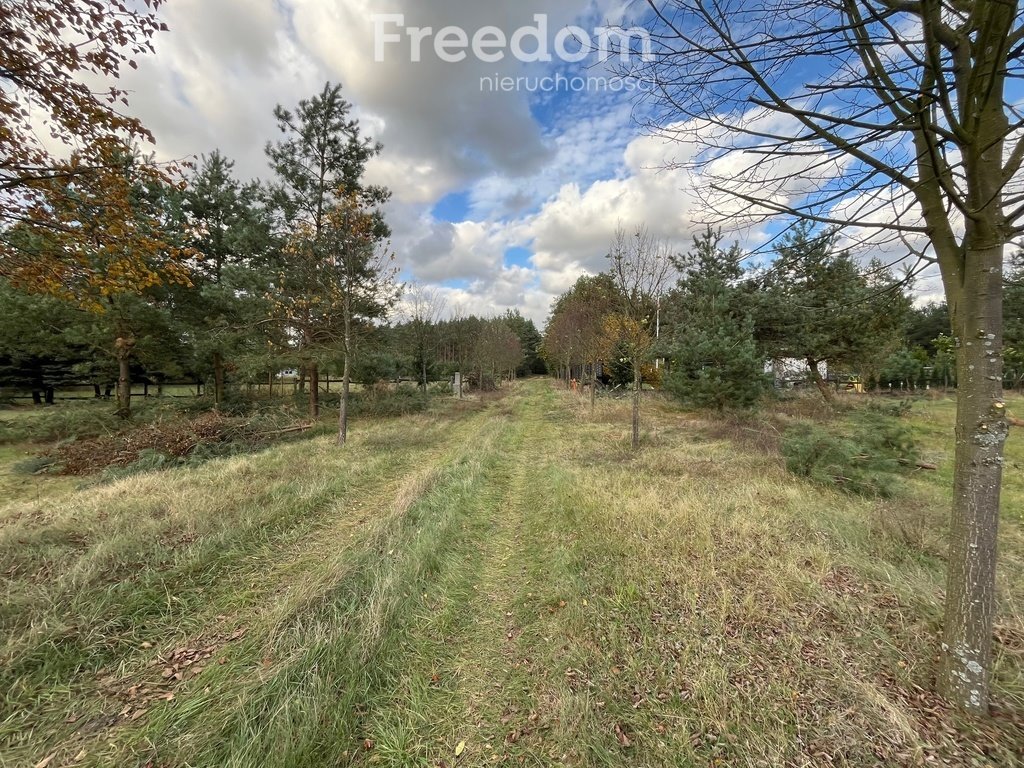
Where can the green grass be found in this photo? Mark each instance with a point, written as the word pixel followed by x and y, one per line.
pixel 504 574
pixel 17 483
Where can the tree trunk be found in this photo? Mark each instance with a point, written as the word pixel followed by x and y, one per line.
pixel 981 432
pixel 819 382
pixel 314 391
pixel 637 383
pixel 424 374
pixel 123 349
pixel 37 397
pixel 346 376
pixel 593 386
pixel 96 391
pixel 218 380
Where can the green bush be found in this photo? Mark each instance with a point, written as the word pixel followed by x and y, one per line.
pixel 402 401
pixel 866 458
pixel 34 465
pixel 42 425
pixel 897 409
pixel 149 460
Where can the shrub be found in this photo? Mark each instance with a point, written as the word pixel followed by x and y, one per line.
pixel 896 410
pixel 34 465
pixel 59 423
pixel 865 459
pixel 402 401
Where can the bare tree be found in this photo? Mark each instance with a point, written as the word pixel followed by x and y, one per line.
pixel 639 266
pixel 424 307
pixel 576 330
pixel 562 340
pixel 891 119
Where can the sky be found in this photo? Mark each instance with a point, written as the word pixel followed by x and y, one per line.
pixel 502 198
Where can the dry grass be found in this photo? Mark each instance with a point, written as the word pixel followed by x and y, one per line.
pixel 508 575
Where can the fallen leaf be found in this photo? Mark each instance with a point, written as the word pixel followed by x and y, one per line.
pixel 46 761
pixel 460 748
pixel 620 734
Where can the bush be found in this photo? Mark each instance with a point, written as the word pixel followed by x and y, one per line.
pixel 865 459
pixel 895 410
pixel 402 401
pixel 58 423
pixel 34 465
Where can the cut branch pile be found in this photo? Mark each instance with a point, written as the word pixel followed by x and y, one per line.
pixel 173 440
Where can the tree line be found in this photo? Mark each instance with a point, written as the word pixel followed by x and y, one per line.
pixel 721 335
pixel 212 279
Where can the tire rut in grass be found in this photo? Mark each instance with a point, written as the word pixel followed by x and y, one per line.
pixel 467 680
pixel 335 664
pixel 236 592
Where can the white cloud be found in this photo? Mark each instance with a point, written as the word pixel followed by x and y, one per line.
pixel 553 175
pixel 569 233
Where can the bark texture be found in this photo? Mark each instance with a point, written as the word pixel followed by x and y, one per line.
pixel 637 384
pixel 981 431
pixel 123 349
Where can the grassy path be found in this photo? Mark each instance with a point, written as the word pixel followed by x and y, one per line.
pixel 501 585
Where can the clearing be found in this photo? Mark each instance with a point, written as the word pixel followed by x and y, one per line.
pixel 497 583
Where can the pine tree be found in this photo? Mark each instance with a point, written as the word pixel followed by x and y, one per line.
pixel 230 229
pixel 817 306
pixel 319 167
pixel 714 358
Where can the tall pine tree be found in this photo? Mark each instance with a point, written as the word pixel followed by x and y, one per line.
pixel 319 165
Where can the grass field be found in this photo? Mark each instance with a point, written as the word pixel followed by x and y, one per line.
pixel 494 583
